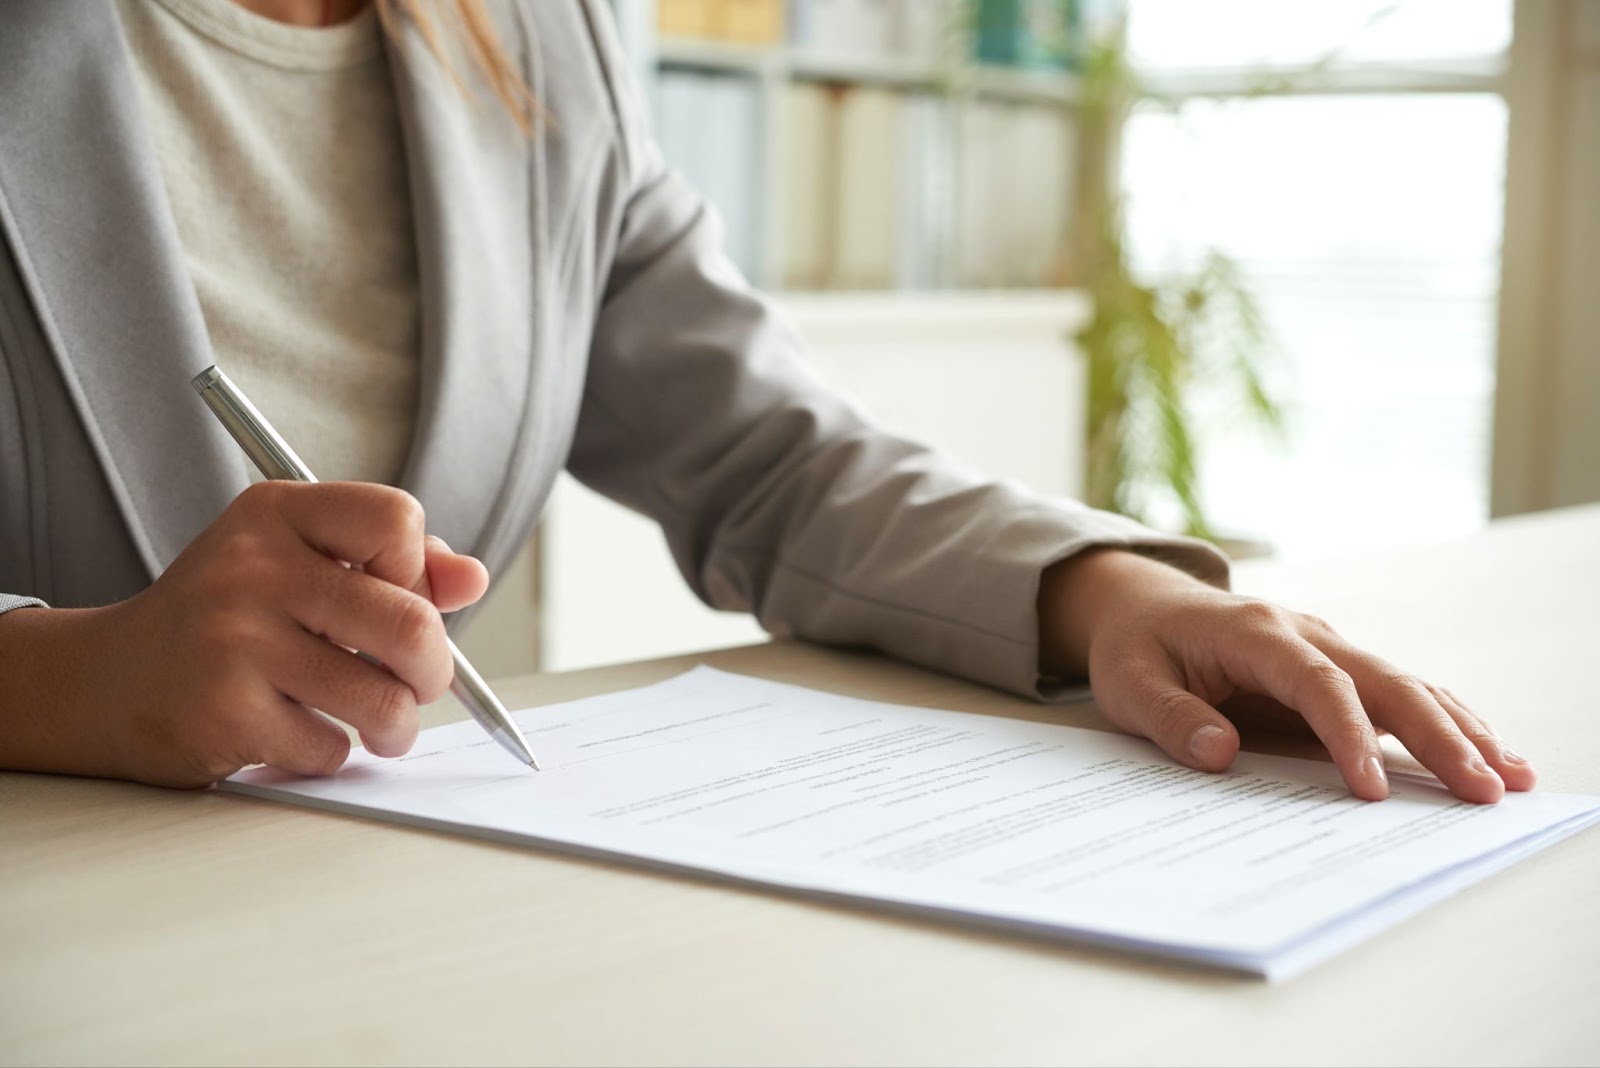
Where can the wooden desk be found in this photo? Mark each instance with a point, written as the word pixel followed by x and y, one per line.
pixel 144 926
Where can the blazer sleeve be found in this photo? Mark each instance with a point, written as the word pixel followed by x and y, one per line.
pixel 8 601
pixel 775 494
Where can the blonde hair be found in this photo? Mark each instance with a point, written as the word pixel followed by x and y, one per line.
pixel 483 46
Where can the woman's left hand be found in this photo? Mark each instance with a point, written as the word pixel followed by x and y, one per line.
pixel 1163 650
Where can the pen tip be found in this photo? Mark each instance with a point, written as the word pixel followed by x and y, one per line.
pixel 534 764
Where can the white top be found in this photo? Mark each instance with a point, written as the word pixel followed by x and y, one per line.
pixel 285 167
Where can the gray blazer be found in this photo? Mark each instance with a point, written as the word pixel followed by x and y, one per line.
pixel 578 312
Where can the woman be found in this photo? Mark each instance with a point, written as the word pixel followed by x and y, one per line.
pixel 421 293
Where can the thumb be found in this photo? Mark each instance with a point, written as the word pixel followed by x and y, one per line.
pixel 1147 697
pixel 450 580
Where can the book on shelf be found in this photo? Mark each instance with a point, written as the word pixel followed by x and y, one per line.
pixel 750 21
pixel 1032 34
pixel 709 129
pixel 917 32
pixel 925 32
pixel 868 202
pixel 878 196
pixel 1038 34
pixel 872 165
pixel 745 21
pixel 1015 187
pixel 844 29
pixel 810 175
pixel 927 202
pixel 684 18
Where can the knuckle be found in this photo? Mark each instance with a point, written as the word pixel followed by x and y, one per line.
pixel 238 568
pixel 1169 711
pixel 266 498
pixel 331 754
pixel 249 564
pixel 258 494
pixel 405 513
pixel 1403 682
pixel 1315 624
pixel 442 671
pixel 1445 748
pixel 1485 729
pixel 1262 615
pixel 1326 675
pixel 248 548
pixel 1446 699
pixel 392 706
pixel 417 623
pixel 231 633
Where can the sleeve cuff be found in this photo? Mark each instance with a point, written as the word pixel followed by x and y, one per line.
pixel 8 601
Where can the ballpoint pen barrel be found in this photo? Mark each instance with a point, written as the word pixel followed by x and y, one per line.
pixel 470 689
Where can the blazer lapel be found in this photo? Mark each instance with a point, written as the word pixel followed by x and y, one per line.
pixel 83 207
pixel 475 183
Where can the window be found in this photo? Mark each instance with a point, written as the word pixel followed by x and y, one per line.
pixel 1367 224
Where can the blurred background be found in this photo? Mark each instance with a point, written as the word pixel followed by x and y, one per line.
pixel 1305 277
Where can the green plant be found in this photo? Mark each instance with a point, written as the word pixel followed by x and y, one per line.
pixel 1153 346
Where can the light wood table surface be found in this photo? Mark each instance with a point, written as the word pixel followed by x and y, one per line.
pixel 147 926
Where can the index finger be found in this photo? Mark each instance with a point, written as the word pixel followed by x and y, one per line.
pixel 377 528
pixel 1445 743
pixel 1292 671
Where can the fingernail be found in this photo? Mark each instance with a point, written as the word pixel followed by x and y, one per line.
pixel 1511 756
pixel 1375 770
pixel 1477 764
pixel 1203 742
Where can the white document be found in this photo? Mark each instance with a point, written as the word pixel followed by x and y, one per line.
pixel 1065 832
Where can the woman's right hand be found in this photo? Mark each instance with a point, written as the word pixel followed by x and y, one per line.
pixel 221 661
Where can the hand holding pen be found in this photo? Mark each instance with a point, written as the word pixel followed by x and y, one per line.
pixel 276 460
pixel 219 663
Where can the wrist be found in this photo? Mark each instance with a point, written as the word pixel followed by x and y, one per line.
pixel 46 707
pixel 1079 594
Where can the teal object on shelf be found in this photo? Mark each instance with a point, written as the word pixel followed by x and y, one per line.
pixel 1039 34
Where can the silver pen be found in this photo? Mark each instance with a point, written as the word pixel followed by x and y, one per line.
pixel 266 447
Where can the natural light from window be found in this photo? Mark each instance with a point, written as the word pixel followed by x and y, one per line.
pixel 1369 229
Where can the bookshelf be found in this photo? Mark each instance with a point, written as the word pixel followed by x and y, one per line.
pixel 856 161
pixel 895 72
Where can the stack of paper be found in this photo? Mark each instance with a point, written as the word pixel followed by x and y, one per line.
pixel 1054 830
